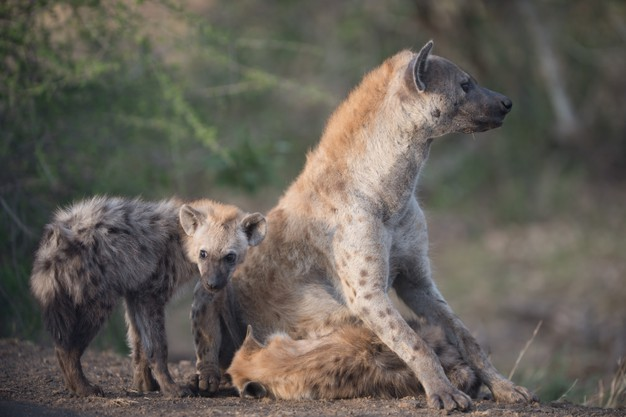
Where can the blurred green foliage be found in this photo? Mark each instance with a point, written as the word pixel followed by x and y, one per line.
pixel 163 97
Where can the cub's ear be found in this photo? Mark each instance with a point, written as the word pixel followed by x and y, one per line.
pixel 418 66
pixel 255 227
pixel 190 219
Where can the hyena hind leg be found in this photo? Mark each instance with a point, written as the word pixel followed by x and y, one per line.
pixel 148 318
pixel 74 330
pixel 143 380
pixel 75 380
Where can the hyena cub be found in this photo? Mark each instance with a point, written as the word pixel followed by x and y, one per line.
pixel 347 363
pixel 101 249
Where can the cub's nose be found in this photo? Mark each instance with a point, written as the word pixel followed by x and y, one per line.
pixel 506 104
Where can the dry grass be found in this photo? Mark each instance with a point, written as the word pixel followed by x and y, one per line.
pixel 615 396
pixel 523 351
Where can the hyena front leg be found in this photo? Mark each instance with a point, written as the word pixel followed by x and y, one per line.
pixel 143 380
pixel 363 270
pixel 428 302
pixel 207 337
pixel 417 289
pixel 148 316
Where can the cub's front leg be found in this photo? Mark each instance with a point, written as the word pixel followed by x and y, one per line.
pixel 207 336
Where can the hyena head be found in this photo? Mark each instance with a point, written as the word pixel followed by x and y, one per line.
pixel 218 237
pixel 449 98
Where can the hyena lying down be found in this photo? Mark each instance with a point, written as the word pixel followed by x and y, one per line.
pixel 350 228
pixel 101 249
pixel 348 363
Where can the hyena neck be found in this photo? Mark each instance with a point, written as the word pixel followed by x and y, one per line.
pixel 380 147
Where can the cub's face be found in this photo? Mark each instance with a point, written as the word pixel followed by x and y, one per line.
pixel 218 240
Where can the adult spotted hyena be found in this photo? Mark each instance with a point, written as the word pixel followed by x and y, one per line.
pixel 350 228
pixel 101 249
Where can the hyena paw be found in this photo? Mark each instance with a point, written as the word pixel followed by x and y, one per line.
pixel 208 383
pixel 192 384
pixel 507 392
pixel 449 399
pixel 205 384
pixel 145 382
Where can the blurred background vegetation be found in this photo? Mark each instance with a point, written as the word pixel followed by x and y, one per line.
pixel 223 99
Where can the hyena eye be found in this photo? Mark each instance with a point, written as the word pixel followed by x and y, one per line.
pixel 203 254
pixel 466 86
pixel 230 258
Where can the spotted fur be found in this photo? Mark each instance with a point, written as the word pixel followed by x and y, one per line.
pixel 350 228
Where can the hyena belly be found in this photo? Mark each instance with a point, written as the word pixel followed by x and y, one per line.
pixel 351 362
pixel 95 252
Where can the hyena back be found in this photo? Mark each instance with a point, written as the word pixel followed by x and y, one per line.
pixel 102 249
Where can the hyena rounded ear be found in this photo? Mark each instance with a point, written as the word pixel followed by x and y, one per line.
pixel 250 344
pixel 190 219
pixel 255 227
pixel 418 66
pixel 253 389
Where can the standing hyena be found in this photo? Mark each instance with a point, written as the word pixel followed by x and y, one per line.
pixel 101 249
pixel 350 228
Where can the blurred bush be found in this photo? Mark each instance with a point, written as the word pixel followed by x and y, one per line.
pixel 112 98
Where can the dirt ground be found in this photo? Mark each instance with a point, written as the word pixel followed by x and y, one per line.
pixel 31 385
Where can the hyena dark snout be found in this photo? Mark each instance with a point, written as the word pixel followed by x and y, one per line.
pixel 456 102
pixel 214 275
pixel 499 104
pixel 486 109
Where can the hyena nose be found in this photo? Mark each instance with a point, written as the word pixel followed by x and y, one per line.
pixel 506 104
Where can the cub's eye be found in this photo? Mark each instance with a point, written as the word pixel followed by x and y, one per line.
pixel 230 258
pixel 466 86
pixel 203 254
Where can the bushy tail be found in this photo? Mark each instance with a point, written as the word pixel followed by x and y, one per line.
pixel 59 317
pixel 58 311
